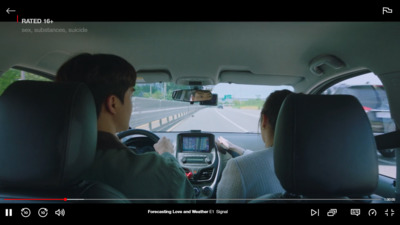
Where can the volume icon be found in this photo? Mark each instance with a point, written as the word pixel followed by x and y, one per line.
pixel 60 212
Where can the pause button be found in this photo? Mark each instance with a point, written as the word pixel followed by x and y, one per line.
pixel 8 212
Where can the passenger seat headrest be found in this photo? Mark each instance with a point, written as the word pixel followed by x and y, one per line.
pixel 48 133
pixel 324 147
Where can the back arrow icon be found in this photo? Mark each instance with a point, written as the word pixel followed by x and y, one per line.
pixel 10 10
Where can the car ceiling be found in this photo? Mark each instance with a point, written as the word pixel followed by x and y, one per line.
pixel 276 53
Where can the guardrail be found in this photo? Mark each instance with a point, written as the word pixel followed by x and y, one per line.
pixel 155 114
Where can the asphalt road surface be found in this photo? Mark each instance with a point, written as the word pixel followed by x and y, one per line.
pixel 221 120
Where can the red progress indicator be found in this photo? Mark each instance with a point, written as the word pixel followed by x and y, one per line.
pixel 36 199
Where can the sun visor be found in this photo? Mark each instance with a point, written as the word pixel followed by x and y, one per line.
pixel 153 76
pixel 247 77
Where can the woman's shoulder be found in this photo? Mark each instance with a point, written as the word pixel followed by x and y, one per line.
pixel 252 160
pixel 254 155
pixel 252 165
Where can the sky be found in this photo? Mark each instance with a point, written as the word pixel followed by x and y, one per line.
pixel 262 91
pixel 246 91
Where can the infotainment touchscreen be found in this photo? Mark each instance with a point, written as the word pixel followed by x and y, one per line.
pixel 195 144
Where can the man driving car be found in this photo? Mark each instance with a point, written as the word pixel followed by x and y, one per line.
pixel 149 177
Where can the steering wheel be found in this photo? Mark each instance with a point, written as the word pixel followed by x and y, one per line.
pixel 142 141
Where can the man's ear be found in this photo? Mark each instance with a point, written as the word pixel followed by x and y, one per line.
pixel 111 104
pixel 264 121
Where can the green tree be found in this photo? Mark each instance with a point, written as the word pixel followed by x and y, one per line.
pixel 156 90
pixel 8 78
pixel 13 75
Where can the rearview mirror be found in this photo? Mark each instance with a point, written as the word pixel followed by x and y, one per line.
pixel 189 95
pixel 212 101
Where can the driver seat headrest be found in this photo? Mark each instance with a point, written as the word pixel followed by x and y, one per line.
pixel 48 134
pixel 324 147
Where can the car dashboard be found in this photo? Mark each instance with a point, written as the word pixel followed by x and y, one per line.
pixel 197 153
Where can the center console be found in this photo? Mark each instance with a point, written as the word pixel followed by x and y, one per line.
pixel 198 156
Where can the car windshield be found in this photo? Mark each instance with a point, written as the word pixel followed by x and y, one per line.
pixel 238 108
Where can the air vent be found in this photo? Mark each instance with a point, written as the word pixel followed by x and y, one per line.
pixel 205 174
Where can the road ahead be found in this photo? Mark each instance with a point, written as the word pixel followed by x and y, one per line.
pixel 221 120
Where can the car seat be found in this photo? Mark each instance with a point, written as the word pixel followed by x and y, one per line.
pixel 48 140
pixel 324 148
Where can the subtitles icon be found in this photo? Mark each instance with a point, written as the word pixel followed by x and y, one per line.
pixel 355 212
pixel 387 10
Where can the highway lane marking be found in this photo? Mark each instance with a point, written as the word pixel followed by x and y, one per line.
pixel 235 124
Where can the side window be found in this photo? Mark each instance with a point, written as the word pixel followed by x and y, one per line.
pixel 12 75
pixel 368 89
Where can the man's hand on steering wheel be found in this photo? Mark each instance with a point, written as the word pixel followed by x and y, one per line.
pixel 137 143
pixel 164 145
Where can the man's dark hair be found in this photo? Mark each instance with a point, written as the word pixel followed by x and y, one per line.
pixel 104 74
pixel 272 105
